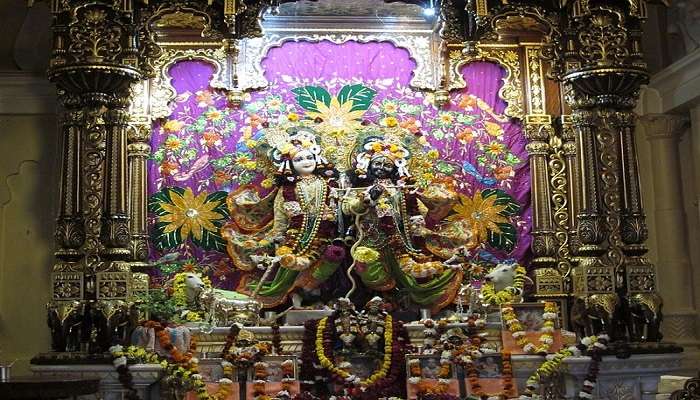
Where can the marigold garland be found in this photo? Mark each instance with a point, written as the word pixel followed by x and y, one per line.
pixel 519 334
pixel 475 385
pixel 507 295
pixel 328 364
pixel 594 345
pixel 185 373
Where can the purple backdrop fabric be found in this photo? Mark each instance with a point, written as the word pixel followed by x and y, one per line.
pixel 204 145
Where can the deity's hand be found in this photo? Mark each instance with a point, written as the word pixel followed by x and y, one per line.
pixel 278 239
pixel 376 191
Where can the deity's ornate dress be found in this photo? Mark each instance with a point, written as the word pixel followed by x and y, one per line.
pixel 302 215
pixel 394 227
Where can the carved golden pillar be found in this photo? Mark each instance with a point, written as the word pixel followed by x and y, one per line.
pixel 93 64
pixel 70 232
pixel 114 233
pixel 539 131
pixel 573 177
pixel 544 244
pixel 603 71
pixel 139 150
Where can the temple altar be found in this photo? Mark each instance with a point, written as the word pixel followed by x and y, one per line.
pixel 331 200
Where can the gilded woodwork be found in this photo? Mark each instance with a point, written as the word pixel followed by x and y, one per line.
pixel 507 57
pixel 92 154
pixel 588 220
pixel 70 231
pixel 540 132
pixel 161 90
pixel 139 150
pixel 560 186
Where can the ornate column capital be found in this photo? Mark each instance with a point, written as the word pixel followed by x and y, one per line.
pixel 664 126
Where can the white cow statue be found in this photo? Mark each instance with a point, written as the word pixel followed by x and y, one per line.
pixel 502 276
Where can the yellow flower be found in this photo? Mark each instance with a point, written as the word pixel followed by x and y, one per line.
pixel 192 316
pixel 250 165
pixel 173 125
pixel 172 143
pixel 283 250
pixel 251 143
pixel 493 128
pixel 391 122
pixel 365 254
pixel 192 214
pixel 287 148
pixel 242 159
pixel 377 147
pixel 247 132
pixel 337 117
pixel 267 183
pixel 331 150
pixel 446 118
pixel 433 154
pixel 422 141
pixel 390 107
pixel 294 117
pixel 482 214
pixel 288 260
pixel 214 115
pixel 495 148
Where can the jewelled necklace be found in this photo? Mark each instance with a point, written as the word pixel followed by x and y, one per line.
pixel 310 223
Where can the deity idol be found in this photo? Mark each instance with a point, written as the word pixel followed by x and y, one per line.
pixel 391 229
pixel 293 226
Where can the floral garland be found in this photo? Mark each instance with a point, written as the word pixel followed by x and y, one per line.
pixel 352 379
pixel 507 295
pixel 246 356
pixel 188 376
pixel 520 336
pixel 179 297
pixel 425 387
pixel 449 355
pixel 314 375
pixel 120 362
pixel 475 386
pixel 594 345
pixel 179 367
pixel 261 375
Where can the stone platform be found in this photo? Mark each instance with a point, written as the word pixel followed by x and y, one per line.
pixel 635 378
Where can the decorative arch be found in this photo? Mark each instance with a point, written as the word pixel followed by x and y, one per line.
pixel 426 75
pixel 162 92
pixel 508 58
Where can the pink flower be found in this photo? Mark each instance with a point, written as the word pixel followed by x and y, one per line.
pixel 334 253
pixel 360 267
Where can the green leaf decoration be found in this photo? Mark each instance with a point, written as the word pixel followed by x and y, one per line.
pixel 360 95
pixel 503 199
pixel 445 168
pixel 307 96
pixel 156 200
pixel 211 241
pixel 222 208
pixel 505 240
pixel 467 119
pixel 163 240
